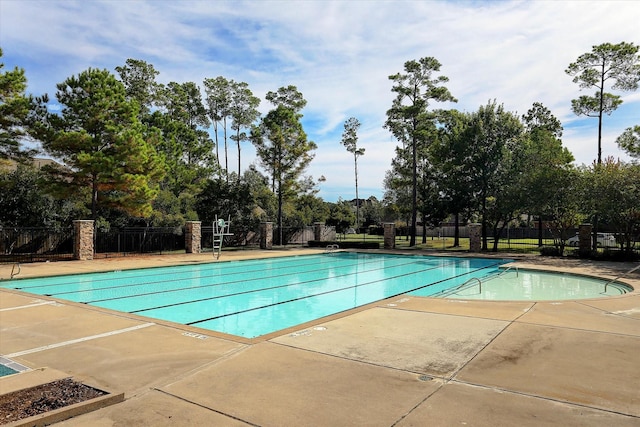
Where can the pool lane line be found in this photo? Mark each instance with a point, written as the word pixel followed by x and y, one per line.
pixel 228 282
pixel 333 291
pixel 177 274
pixel 99 277
pixel 249 291
pixel 179 270
pixel 199 286
pixel 314 295
pixel 77 340
pixel 346 263
pixel 368 259
pixel 253 290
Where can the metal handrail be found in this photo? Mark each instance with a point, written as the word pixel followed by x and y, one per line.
pixel 509 268
pixel 13 268
pixel 619 277
pixel 332 248
pixel 457 288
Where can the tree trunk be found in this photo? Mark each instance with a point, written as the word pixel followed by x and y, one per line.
pixel 484 224
pixel 600 113
pixel 238 142
pixel 414 193
pixel 280 213
pixel 540 231
pixel 456 231
pixel 94 197
pixel 496 236
pixel 226 155
pixel 355 156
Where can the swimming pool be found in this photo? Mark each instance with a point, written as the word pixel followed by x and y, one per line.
pixel 250 298
pixel 255 297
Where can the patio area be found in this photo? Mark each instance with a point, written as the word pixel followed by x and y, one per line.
pixel 405 361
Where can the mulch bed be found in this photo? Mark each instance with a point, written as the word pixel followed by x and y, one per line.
pixel 26 403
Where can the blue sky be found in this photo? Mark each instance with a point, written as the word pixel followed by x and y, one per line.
pixel 339 54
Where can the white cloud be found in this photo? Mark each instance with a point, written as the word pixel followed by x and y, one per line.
pixel 339 54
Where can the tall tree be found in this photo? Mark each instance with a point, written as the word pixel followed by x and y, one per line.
pixel 493 134
pixel 282 145
pixel 186 144
pixel 616 63
pixel 139 79
pixel 15 108
pixel 350 141
pixel 615 197
pixel 289 97
pixel 23 203
pixel 243 111
pixel 372 212
pixel 539 118
pixel 629 141
pixel 408 119
pixel 98 135
pixel 564 204
pixel 340 216
pixel 218 93
pixel 546 160
pixel 451 153
pixel 397 184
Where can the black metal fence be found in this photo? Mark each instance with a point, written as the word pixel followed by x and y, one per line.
pixel 513 239
pixel 21 245
pixel 139 240
pixel 293 235
pixel 35 244
pixel 241 238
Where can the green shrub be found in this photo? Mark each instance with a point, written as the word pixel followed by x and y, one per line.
pixel 549 251
pixel 344 244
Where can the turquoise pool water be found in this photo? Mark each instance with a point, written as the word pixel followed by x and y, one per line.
pixel 5 370
pixel 527 285
pixel 255 297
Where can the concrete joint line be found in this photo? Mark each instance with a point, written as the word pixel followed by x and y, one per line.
pixel 77 340
pixel 28 305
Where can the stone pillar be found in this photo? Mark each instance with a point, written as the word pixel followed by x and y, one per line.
pixel 193 237
pixel 584 239
pixel 266 235
pixel 318 227
pixel 475 237
pixel 83 239
pixel 389 235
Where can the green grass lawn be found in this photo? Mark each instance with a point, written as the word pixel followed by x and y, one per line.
pixel 446 243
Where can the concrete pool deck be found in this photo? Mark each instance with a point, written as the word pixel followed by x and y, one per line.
pixel 405 361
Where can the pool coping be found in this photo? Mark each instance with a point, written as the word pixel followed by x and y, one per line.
pixel 517 260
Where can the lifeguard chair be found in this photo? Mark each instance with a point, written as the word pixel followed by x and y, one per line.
pixel 220 230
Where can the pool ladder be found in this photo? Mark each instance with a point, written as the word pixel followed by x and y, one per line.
pixel 331 248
